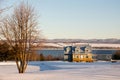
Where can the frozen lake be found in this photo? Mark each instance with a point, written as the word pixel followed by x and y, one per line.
pixel 59 70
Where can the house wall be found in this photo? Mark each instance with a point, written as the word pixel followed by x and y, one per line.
pixel 82 58
pixel 68 53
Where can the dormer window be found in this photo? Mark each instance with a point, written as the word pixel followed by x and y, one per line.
pixel 77 50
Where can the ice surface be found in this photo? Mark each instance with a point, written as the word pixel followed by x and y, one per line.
pixel 59 70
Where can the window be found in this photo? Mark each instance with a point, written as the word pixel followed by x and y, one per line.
pixel 87 57
pixel 77 56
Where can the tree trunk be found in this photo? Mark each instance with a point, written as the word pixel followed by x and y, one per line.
pixel 21 64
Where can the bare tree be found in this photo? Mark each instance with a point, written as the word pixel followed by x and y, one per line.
pixel 19 30
pixel 3 9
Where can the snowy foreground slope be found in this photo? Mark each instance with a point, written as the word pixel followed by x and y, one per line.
pixel 59 70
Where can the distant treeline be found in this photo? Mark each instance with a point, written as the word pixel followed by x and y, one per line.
pixel 114 41
pixel 116 56
pixel 41 57
pixel 8 56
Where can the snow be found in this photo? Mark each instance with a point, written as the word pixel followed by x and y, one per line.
pixel 59 70
pixel 7 63
pixel 91 44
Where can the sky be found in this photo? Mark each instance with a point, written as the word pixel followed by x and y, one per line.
pixel 76 19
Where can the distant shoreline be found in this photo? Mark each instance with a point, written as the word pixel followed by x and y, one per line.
pixel 94 48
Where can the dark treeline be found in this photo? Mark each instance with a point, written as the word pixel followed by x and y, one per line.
pixel 116 55
pixel 6 54
pixel 40 57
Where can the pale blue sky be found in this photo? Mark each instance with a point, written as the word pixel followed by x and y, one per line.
pixel 77 19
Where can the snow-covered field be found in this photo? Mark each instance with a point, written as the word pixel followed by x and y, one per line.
pixel 58 70
pixel 75 44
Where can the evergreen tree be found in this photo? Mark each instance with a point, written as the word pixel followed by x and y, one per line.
pixel 116 55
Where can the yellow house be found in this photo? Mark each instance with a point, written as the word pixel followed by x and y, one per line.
pixel 82 54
